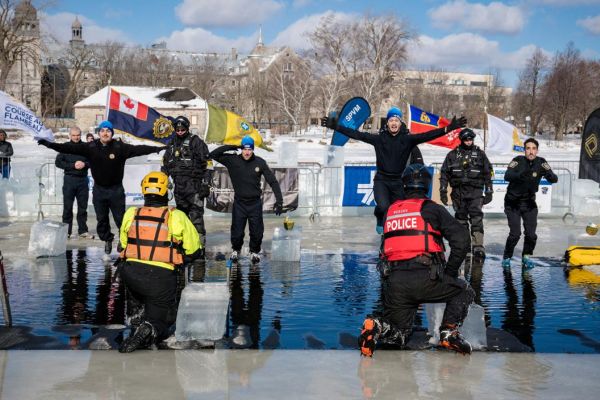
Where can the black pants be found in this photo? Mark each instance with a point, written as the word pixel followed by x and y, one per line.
pixel 155 288
pixel 386 191
pixel 515 211
pixel 467 211
pixel 193 206
pixel 405 289
pixel 108 198
pixel 75 187
pixel 251 211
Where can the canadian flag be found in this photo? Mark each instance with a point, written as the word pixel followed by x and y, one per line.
pixel 125 104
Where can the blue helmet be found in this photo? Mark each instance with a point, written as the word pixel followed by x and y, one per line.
pixel 394 112
pixel 416 177
pixel 247 142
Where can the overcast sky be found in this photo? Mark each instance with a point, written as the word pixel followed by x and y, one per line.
pixel 457 35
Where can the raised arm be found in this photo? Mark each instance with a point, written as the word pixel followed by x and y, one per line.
pixel 436 133
pixel 69 148
pixel 141 150
pixel 219 155
pixel 331 123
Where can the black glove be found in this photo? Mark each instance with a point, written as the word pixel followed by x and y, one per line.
pixel 444 197
pixel 43 142
pixel 204 189
pixel 487 196
pixel 119 247
pixel 278 208
pixel 330 123
pixel 456 124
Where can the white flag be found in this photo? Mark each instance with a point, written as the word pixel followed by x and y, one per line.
pixel 15 115
pixel 502 137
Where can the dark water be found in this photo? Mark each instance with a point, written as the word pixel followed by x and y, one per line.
pixel 317 303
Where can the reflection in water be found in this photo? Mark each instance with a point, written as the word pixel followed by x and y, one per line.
pixel 110 294
pixel 519 320
pixel 74 307
pixel 350 291
pixel 246 313
pixel 474 275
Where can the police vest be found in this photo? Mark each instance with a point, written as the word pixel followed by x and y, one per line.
pixel 466 167
pixel 406 234
pixel 148 237
pixel 181 159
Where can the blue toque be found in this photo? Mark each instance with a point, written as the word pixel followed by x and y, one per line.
pixel 394 112
pixel 247 142
pixel 107 124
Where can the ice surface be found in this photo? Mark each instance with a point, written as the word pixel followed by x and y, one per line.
pixel 473 328
pixel 201 372
pixel 285 245
pixel 202 311
pixel 334 156
pixel 48 238
pixel 288 155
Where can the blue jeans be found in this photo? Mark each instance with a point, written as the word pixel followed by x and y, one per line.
pixel 5 168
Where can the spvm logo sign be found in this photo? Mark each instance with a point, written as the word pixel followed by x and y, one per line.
pixel 358 186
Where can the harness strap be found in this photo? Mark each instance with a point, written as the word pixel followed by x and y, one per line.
pixel 148 242
pixel 411 232
pixel 157 233
pixel 137 230
pixel 147 218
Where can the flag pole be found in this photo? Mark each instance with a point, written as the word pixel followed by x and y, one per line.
pixel 485 128
pixel 107 107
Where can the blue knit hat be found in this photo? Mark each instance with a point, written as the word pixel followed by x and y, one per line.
pixel 394 112
pixel 247 142
pixel 107 124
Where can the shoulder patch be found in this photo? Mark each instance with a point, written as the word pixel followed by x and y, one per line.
pixel 513 164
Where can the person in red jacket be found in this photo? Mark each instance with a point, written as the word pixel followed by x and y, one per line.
pixel 414 270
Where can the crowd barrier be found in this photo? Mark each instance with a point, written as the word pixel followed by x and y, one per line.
pixel 321 188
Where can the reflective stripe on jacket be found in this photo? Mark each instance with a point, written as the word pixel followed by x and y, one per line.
pixel 149 239
pixel 406 234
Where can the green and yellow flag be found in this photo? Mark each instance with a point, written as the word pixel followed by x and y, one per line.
pixel 228 128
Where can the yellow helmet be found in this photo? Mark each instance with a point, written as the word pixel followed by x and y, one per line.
pixel 155 182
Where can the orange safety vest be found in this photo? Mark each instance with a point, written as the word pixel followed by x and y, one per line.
pixel 148 237
pixel 406 234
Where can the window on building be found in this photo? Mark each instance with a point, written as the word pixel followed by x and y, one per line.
pixel 478 83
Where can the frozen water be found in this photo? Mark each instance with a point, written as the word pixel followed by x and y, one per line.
pixel 288 155
pixel 202 311
pixel 435 314
pixel 586 197
pixel 334 156
pixel 473 328
pixel 48 238
pixel 285 245
pixel 201 372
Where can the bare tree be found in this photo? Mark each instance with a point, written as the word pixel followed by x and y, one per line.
pixel 291 82
pixel 109 58
pixel 208 74
pixel 560 88
pixel 78 60
pixel 379 50
pixel 331 50
pixel 16 41
pixel 528 100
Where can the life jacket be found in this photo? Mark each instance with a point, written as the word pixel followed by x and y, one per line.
pixel 406 234
pixel 466 167
pixel 148 237
pixel 180 159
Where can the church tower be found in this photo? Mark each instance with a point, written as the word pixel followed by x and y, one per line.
pixel 77 34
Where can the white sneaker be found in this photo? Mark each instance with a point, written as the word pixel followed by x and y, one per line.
pixel 233 256
pixel 255 258
pixel 86 235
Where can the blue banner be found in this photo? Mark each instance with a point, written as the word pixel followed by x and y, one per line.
pixel 358 186
pixel 354 113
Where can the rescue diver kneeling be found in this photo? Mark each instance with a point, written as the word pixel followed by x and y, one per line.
pixel 156 240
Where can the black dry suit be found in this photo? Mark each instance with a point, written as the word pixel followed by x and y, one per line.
pixel 469 173
pixel 185 161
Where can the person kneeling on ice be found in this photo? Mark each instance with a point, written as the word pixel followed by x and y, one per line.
pixel 245 171
pixel 414 270
pixel 153 238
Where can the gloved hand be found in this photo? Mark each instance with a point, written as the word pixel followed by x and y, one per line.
pixel 278 208
pixel 487 196
pixel 204 189
pixel 330 123
pixel 43 142
pixel 119 247
pixel 444 197
pixel 456 123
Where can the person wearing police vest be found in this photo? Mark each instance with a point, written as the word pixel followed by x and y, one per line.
pixel 415 271
pixel 469 173
pixel 185 161
pixel 523 175
pixel 394 146
pixel 156 240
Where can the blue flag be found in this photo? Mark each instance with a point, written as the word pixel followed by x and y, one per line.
pixel 354 113
pixel 137 119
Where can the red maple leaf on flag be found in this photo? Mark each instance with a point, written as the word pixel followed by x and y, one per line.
pixel 128 103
